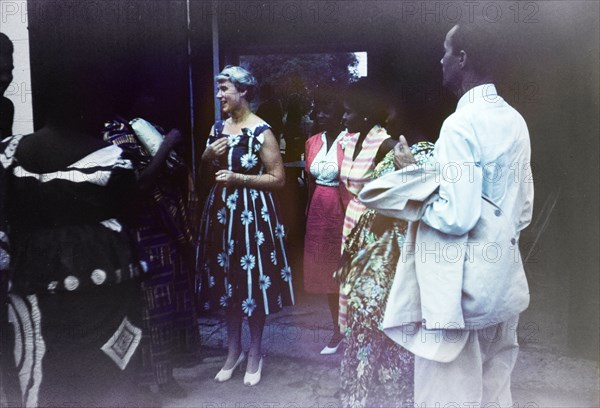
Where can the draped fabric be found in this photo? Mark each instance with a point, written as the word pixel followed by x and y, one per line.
pixel 375 371
pixel 73 320
pixel 355 173
pixel 162 230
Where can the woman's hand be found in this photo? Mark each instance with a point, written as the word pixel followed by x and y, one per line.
pixel 229 178
pixel 215 149
pixel 402 155
pixel 273 176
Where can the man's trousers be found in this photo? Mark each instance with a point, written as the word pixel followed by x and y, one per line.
pixel 480 375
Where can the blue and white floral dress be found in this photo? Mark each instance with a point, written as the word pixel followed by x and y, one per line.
pixel 243 261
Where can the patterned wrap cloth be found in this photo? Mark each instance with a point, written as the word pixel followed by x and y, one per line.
pixel 375 371
pixel 355 172
pixel 73 309
pixel 161 229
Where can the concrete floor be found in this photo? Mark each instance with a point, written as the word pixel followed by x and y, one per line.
pixel 295 375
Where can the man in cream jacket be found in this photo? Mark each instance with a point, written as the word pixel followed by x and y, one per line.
pixel 460 283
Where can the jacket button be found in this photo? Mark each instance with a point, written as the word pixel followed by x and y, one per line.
pixel 513 241
pixel 498 213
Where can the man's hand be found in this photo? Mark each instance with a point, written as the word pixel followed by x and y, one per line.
pixel 402 155
pixel 173 138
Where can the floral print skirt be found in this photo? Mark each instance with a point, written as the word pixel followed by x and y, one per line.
pixel 375 371
pixel 243 261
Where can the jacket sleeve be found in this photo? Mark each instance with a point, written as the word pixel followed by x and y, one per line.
pixel 403 194
pixel 457 207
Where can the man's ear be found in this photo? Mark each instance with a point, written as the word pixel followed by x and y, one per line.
pixel 462 58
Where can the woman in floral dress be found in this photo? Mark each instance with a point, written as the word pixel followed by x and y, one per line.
pixel 375 371
pixel 244 267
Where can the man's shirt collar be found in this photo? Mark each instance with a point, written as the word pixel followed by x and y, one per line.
pixel 485 92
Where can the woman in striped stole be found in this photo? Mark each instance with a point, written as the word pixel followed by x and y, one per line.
pixel 365 145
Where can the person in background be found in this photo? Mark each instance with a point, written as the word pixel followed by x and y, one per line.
pixel 375 371
pixel 7 109
pixel 325 210
pixel 294 195
pixel 74 300
pixel 243 260
pixel 294 133
pixel 270 110
pixel 365 145
pixel 162 230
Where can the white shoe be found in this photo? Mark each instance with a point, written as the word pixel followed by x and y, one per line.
pixel 225 375
pixel 251 379
pixel 330 350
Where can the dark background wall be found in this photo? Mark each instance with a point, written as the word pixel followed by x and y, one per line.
pixel 130 48
pixel 551 75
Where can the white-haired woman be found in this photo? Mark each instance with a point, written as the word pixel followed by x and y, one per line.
pixel 244 264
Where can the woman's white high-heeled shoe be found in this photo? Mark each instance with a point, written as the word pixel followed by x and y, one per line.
pixel 251 379
pixel 225 375
pixel 330 350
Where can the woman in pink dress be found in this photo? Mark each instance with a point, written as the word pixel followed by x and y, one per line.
pixel 325 212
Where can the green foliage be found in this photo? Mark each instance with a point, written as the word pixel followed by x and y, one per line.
pixel 297 76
